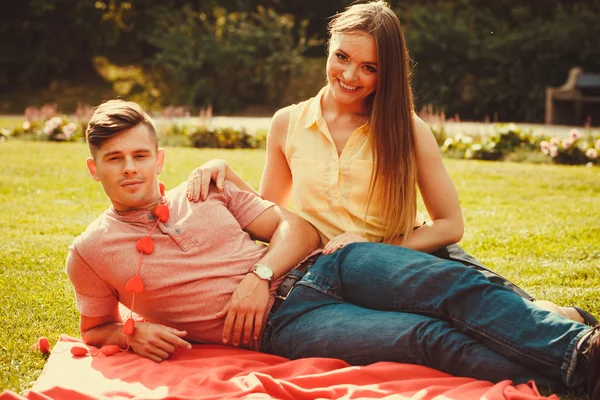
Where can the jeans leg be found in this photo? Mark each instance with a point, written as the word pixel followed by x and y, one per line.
pixel 312 324
pixel 392 278
pixel 455 253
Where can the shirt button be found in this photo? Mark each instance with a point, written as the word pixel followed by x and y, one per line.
pixel 177 231
pixel 150 218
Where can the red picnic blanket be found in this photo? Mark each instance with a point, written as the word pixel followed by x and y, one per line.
pixel 221 372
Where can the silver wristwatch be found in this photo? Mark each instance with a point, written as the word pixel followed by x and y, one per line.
pixel 263 271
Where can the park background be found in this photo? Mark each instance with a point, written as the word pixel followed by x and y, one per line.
pixel 213 72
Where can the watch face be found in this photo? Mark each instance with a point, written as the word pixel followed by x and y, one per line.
pixel 264 272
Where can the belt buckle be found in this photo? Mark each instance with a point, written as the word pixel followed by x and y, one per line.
pixel 280 297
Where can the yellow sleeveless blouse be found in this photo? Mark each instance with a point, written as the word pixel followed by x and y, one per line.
pixel 328 190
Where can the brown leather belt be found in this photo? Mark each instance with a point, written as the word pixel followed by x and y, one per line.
pixel 288 283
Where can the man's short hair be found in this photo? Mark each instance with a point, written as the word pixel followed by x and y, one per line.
pixel 111 118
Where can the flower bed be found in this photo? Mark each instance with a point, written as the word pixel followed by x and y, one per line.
pixel 576 149
pixel 176 128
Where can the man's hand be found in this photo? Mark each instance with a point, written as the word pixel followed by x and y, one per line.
pixel 341 240
pixel 245 310
pixel 156 342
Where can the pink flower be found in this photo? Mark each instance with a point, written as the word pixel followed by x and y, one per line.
pixel 566 143
pixel 553 151
pixel 592 154
pixel 545 147
pixel 574 134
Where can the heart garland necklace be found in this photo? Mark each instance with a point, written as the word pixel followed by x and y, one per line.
pixel 135 285
pixel 145 246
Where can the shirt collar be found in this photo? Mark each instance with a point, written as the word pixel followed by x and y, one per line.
pixel 314 113
pixel 135 216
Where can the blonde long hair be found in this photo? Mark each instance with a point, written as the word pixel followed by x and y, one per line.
pixel 391 128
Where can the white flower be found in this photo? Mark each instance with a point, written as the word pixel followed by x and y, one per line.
pixel 476 147
pixel 67 132
pixel 553 150
pixel 592 154
pixel 56 122
pixel 26 125
pixel 597 146
pixel 566 143
pixel 590 164
pixel 449 141
pixel 48 129
pixel 574 134
pixel 468 153
pixel 554 140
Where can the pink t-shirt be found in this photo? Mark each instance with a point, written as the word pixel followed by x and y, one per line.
pixel 200 256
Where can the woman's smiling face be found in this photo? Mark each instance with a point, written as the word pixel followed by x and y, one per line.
pixel 352 66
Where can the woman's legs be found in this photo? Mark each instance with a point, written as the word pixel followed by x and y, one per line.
pixel 456 253
pixel 393 278
pixel 312 324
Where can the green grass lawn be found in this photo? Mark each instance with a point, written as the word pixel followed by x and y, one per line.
pixel 539 225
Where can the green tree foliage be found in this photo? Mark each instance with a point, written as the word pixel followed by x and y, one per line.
pixel 476 58
pixel 495 59
pixel 227 59
pixel 44 40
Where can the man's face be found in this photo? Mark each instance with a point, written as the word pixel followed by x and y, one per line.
pixel 127 166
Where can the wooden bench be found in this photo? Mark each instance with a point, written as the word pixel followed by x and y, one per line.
pixel 575 101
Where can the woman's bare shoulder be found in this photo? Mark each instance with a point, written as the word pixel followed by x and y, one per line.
pixel 279 124
pixel 423 135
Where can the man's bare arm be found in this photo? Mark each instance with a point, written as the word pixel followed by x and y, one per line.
pixel 153 341
pixel 291 240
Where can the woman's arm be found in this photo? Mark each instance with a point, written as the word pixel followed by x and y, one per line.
pixel 276 181
pixel 439 195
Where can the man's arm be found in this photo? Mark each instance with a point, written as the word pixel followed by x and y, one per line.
pixel 153 341
pixel 291 239
pixel 95 297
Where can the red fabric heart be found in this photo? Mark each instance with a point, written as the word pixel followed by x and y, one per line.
pixel 128 327
pixel 162 188
pixel 110 349
pixel 145 244
pixel 135 284
pixel 79 351
pixel 44 344
pixel 162 212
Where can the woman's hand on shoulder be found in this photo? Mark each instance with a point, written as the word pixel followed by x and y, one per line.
pixel 200 178
pixel 341 240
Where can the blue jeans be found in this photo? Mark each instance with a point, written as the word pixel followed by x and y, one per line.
pixel 372 302
pixel 454 252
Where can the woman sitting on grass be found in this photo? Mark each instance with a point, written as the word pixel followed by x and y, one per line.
pixel 352 156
